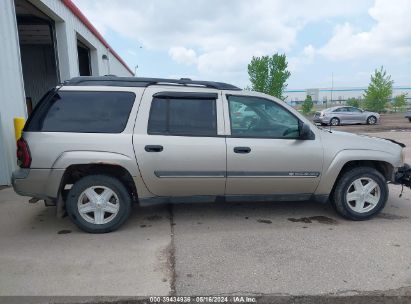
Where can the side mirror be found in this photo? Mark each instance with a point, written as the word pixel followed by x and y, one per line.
pixel 305 131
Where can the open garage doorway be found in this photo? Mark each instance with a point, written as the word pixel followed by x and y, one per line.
pixel 37 49
pixel 84 63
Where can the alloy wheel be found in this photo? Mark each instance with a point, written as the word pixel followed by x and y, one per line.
pixel 98 205
pixel 371 120
pixel 335 122
pixel 363 195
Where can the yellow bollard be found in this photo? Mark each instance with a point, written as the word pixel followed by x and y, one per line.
pixel 18 126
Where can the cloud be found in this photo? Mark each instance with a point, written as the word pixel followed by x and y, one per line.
pixel 391 34
pixel 183 55
pixel 306 57
pixel 219 37
pixel 215 40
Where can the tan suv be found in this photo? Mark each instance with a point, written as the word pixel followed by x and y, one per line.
pixel 95 145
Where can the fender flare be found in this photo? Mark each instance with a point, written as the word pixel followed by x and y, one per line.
pixel 340 159
pixel 69 158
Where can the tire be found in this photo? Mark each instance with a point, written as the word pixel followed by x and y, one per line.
pixel 334 121
pixel 109 215
pixel 372 120
pixel 346 188
pixel 409 119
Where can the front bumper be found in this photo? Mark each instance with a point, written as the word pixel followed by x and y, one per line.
pixel 37 183
pixel 403 176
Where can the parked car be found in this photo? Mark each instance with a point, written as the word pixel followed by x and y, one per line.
pixel 408 115
pixel 345 115
pixel 96 145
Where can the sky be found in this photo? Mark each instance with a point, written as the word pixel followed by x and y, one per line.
pixel 215 40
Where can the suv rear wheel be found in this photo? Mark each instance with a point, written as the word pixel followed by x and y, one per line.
pixel 360 193
pixel 98 203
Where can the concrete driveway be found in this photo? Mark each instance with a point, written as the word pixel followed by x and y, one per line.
pixel 243 248
pixel 43 255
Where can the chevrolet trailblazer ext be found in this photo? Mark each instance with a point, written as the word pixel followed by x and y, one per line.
pixel 95 145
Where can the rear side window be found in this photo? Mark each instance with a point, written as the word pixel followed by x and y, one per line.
pixel 83 112
pixel 183 116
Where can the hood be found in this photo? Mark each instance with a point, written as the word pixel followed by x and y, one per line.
pixel 345 141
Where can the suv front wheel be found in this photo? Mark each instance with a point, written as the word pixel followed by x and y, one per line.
pixel 360 193
pixel 98 203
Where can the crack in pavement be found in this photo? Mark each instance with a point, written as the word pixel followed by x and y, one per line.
pixel 171 253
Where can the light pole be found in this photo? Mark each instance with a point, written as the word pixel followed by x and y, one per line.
pixel 136 66
pixel 332 87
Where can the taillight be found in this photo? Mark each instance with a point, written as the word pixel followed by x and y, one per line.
pixel 23 154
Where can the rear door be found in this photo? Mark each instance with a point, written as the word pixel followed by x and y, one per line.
pixel 179 141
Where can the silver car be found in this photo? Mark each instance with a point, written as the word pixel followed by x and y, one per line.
pixel 342 115
pixel 408 115
pixel 96 145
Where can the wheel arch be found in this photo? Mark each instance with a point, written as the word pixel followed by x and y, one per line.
pixel 348 159
pixel 75 172
pixel 335 117
pixel 371 115
pixel 385 168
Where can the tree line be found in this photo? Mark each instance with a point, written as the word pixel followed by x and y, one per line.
pixel 269 75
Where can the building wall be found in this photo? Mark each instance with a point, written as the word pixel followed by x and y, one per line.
pixel 339 95
pixel 12 100
pixel 68 28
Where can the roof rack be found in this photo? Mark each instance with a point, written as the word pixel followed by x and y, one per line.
pixel 111 80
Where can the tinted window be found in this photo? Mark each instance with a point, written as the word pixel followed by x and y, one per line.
pixel 341 110
pixel 352 109
pixel 265 118
pixel 87 112
pixel 191 117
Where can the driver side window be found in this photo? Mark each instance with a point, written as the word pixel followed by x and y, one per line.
pixel 257 117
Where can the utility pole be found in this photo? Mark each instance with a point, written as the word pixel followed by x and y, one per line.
pixel 136 66
pixel 332 87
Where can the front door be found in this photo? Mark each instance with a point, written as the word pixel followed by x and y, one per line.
pixel 356 115
pixel 266 156
pixel 179 142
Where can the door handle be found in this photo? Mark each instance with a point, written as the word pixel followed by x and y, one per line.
pixel 242 150
pixel 153 148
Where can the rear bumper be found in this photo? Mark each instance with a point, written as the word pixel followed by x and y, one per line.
pixel 318 119
pixel 403 175
pixel 37 183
